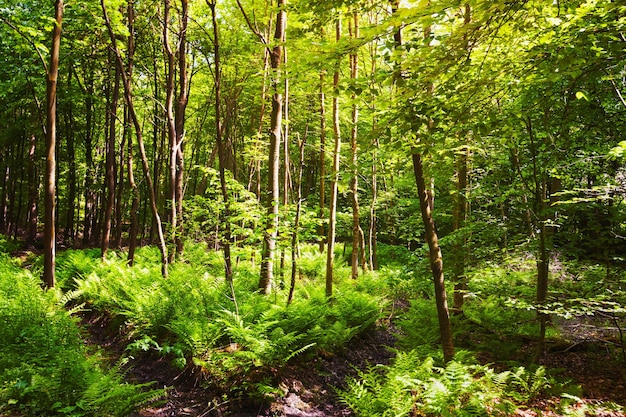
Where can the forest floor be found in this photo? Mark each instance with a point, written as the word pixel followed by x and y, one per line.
pixel 309 389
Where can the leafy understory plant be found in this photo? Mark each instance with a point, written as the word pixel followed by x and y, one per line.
pixel 415 386
pixel 45 367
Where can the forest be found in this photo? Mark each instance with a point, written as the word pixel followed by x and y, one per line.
pixel 294 208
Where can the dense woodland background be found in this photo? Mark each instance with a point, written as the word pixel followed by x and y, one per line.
pixel 331 151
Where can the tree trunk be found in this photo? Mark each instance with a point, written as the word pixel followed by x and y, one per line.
pixel 358 250
pixel 460 214
pixel 219 131
pixel 90 171
pixel 372 238
pixel 71 151
pixel 332 221
pixel 273 201
pixel 436 261
pixel 50 189
pixel 322 160
pixel 33 185
pixel 134 209
pixel 295 250
pixel 119 193
pixel 110 164
pixel 176 118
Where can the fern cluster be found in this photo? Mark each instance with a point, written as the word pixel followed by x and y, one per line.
pixel 236 338
pixel 415 385
pixel 45 368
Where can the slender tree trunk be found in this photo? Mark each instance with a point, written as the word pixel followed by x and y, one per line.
pixel 90 196
pixel 176 118
pixel 170 72
pixel 358 246
pixel 71 151
pixel 295 250
pixel 33 185
pixel 138 133
pixel 271 227
pixel 219 131
pixel 119 193
pixel 460 246
pixel 181 109
pixel 322 161
pixel 436 260
pixel 332 221
pixel 286 159
pixel 50 189
pixel 18 216
pixel 460 211
pixel 134 209
pixel 110 164
pixel 373 241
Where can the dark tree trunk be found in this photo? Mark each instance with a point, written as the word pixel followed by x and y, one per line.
pixel 110 164
pixel 322 162
pixel 436 261
pixel 90 195
pixel 33 185
pixel 460 214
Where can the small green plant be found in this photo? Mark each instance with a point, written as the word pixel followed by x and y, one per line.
pixel 45 367
pixel 416 385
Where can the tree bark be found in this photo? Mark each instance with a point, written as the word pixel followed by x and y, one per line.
pixel 72 186
pixel 322 161
pixel 33 185
pixel 50 189
pixel 175 114
pixel 271 228
pixel 460 215
pixel 358 246
pixel 110 164
pixel 436 260
pixel 332 221
pixel 219 131
pixel 295 250
pixel 90 196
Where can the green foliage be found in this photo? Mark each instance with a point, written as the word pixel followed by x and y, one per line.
pixel 418 384
pixel 45 368
pixel 192 316
pixel 414 385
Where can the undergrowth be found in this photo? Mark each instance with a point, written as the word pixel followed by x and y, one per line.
pixel 236 339
pixel 419 384
pixel 239 341
pixel 45 367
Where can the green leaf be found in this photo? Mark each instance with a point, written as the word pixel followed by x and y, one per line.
pixel 580 95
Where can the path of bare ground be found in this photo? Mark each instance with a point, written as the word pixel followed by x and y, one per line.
pixel 309 387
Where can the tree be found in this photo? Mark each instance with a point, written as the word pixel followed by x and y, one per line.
pixel 50 188
pixel 358 238
pixel 276 116
pixel 219 132
pixel 332 219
